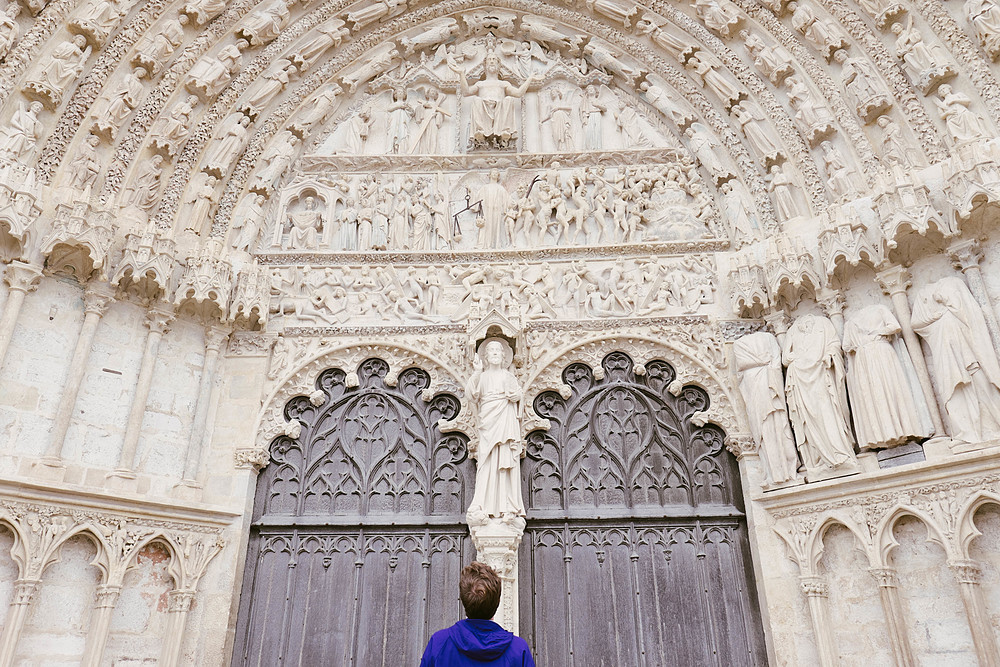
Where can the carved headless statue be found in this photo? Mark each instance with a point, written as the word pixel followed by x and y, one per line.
pixel 497 394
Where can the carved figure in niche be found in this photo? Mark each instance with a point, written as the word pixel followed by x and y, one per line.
pixel 774 62
pixel 247 220
pixel 142 190
pixel 817 400
pixel 422 218
pixel 927 64
pixel 963 124
pixel 627 121
pixel 374 11
pixel 782 186
pixel 306 225
pixel 984 16
pixel 884 410
pixel 495 202
pixel 434 33
pixel 20 136
pixel 200 204
pixel 399 219
pixel 120 104
pixel 882 11
pixel 494 123
pixel 97 18
pixel 85 166
pixel 826 35
pixel 204 11
pixel 349 226
pixel 154 48
pixel 325 36
pixel 356 132
pixel 811 112
pixel 524 53
pixel 870 96
pixel 738 211
pixel 559 117
pixel 211 74
pixel 9 29
pixel 600 56
pixel 965 366
pixel 224 149
pixel 171 130
pixel 264 24
pixel 375 65
pixel 443 232
pixel 840 178
pixel 665 103
pixel 705 66
pixel 720 16
pixel 269 86
pixel 592 110
pixel 896 150
pixel 57 73
pixel 319 108
pixel 430 115
pixel 761 137
pixel 758 361
pixel 548 35
pixel 276 159
pixel 399 113
pixel 707 149
pixel 497 395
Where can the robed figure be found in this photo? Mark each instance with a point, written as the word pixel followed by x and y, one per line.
pixel 493 104
pixel 758 361
pixel 817 397
pixel 966 372
pixel 496 393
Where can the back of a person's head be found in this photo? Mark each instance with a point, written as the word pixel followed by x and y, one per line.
pixel 479 588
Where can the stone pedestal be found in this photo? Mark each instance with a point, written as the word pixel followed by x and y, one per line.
pixel 496 544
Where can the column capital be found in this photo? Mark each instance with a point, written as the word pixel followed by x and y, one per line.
pixel 894 280
pixel 179 601
pixel 778 321
pixel 22 277
pixel 814 586
pixel 24 591
pixel 158 321
pixel 965 254
pixel 215 338
pixel 966 571
pixel 96 302
pixel 887 577
pixel 831 301
pixel 106 596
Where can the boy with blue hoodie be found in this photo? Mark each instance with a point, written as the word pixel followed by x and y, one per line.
pixel 477 641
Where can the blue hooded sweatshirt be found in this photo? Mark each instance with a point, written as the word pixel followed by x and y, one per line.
pixel 475 642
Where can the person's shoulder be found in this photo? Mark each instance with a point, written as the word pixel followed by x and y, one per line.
pixel 519 646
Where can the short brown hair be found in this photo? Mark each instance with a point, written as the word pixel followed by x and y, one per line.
pixel 479 588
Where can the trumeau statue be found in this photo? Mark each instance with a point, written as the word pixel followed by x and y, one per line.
pixel 883 404
pixel 758 362
pixel 496 393
pixel 965 368
pixel 817 400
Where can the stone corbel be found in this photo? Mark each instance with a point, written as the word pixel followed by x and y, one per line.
pixel 79 242
pixel 146 265
pixel 251 458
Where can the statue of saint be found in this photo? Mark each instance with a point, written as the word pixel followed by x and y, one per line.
pixel 497 395
pixel 494 121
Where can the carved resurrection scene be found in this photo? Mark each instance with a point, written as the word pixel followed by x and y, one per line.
pixel 681 316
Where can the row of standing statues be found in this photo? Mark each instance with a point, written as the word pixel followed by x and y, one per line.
pixel 867 381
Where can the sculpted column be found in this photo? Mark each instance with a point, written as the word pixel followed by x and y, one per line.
pixel 106 597
pixel 158 324
pixel 24 593
pixel 965 255
pixel 832 303
pixel 94 307
pixel 969 573
pixel 894 282
pixel 888 589
pixel 178 607
pixel 22 278
pixel 214 340
pixel 817 593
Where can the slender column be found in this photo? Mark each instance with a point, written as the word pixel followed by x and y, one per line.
pixel 832 303
pixel 97 637
pixel 178 607
pixel 968 573
pixel 888 589
pixel 22 278
pixel 817 593
pixel 158 324
pixel 779 322
pixel 894 281
pixel 965 255
pixel 24 593
pixel 214 340
pixel 95 305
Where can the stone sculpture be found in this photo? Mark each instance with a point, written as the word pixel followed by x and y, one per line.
pixel 20 137
pixel 984 17
pixel 966 371
pixel 211 74
pixel 327 35
pixel 870 96
pixel 265 24
pixel 774 62
pixel 758 362
pixel 85 166
pixel 496 394
pixel 120 104
pixel 154 49
pixel 221 154
pixel 172 129
pixel 430 116
pixel 817 400
pixel 9 29
pixel 141 192
pixel 59 71
pixel 882 403
pixel 493 106
pixel 963 124
pixel 927 63
pixel 306 225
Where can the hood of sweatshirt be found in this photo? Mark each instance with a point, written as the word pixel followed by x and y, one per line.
pixel 481 639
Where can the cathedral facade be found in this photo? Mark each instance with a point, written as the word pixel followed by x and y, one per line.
pixel 681 315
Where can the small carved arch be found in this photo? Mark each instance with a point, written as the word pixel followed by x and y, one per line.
pixel 816 547
pixel 967 531
pixel 18 549
pixel 175 565
pixel 885 541
pixel 100 560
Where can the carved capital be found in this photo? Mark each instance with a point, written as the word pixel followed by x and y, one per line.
pixel 252 458
pixel 887 577
pixel 95 302
pixel 24 591
pixel 106 596
pixel 893 280
pixel 158 321
pixel 179 601
pixel 814 586
pixel 831 301
pixel 22 277
pixel 778 321
pixel 741 444
pixel 966 571
pixel 965 254
pixel 215 339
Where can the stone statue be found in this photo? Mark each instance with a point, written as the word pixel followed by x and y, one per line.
pixel 826 35
pixel 758 362
pixel 882 404
pixel 9 29
pixel 495 200
pixel 708 150
pixel 120 104
pixel 895 149
pixel 811 111
pixel 224 149
pixel 200 204
pixel 211 74
pixel 85 166
pixel 306 224
pixel 20 136
pixel 493 105
pixel 327 35
pixel 592 110
pixel 966 372
pixel 265 23
pixel 204 11
pixel 398 115
pixel 247 219
pixel 430 115
pixel 171 130
pixel 782 187
pixel 817 400
pixel 433 33
pixel 497 395
pixel 141 192
pixel 268 86
pixel 840 177
pixel 762 137
pixel 738 211
pixel 665 103
pixel 707 69
pixel 59 70
pixel 275 161
pixel 870 96
pixel 927 64
pixel 97 19
pixel 774 62
pixel 984 16
pixel 718 15
pixel 380 61
pixel 154 48
pixel 963 124
pixel 559 119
